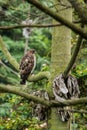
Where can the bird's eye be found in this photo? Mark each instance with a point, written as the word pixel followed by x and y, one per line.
pixel 33 51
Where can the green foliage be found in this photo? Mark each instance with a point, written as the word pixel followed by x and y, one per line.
pixel 15 114
pixel 14 11
pixel 40 42
pixel 80 119
pixel 80 72
pixel 4 109
pixel 80 69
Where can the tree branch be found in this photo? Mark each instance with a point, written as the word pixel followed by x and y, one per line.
pixel 15 90
pixel 74 56
pixel 74 110
pixel 30 26
pixel 11 60
pixel 39 76
pixel 8 68
pixel 58 18
pixel 80 8
pixel 33 26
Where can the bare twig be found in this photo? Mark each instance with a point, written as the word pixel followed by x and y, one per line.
pixel 8 68
pixel 31 26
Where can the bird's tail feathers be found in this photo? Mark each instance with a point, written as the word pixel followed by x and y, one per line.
pixel 23 82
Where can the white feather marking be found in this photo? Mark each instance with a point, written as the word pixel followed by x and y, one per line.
pixel 34 63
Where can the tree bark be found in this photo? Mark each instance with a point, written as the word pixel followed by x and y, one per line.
pixel 60 56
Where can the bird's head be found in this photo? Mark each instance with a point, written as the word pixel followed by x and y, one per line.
pixel 32 51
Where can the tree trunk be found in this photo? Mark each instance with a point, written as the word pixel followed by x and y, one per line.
pixel 60 56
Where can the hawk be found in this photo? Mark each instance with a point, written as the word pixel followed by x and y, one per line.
pixel 27 65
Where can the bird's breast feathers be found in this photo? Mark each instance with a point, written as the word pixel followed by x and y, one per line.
pixel 34 64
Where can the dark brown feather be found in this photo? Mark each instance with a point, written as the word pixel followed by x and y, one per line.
pixel 27 64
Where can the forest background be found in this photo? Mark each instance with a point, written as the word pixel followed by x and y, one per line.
pixel 15 110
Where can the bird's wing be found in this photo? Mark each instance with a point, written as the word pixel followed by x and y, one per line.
pixel 27 64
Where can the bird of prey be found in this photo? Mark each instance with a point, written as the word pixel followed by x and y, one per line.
pixel 27 65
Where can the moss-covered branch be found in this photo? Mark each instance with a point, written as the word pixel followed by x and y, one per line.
pixel 57 17
pixel 39 76
pixel 11 59
pixel 74 56
pixel 16 91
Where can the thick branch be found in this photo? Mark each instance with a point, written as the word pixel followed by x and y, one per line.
pixel 74 56
pixel 39 76
pixel 80 8
pixel 13 90
pixel 58 17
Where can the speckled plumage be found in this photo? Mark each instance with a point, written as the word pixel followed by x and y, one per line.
pixel 64 89
pixel 27 65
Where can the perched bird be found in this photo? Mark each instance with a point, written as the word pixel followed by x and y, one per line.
pixel 27 65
